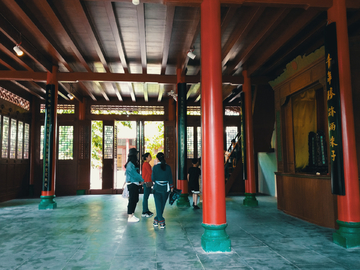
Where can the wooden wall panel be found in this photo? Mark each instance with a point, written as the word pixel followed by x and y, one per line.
pixel 307 198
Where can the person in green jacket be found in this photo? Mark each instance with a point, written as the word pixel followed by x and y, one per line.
pixel 162 177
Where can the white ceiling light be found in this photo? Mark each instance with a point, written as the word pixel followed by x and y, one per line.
pixel 136 2
pixel 18 51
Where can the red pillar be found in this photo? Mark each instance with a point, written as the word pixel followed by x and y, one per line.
pixel 214 208
pixel 50 132
pixel 250 185
pixel 349 204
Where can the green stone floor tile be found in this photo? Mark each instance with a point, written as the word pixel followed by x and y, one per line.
pixel 91 232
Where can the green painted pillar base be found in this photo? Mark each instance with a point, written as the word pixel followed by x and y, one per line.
pixel 348 234
pixel 183 201
pixel 215 238
pixel 80 192
pixel 250 200
pixel 47 202
pixel 31 190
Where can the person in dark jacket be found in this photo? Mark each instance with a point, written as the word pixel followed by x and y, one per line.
pixel 162 177
pixel 133 181
pixel 193 178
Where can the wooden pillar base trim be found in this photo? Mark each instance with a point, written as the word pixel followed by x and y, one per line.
pixel 183 201
pixel 215 238
pixel 348 234
pixel 250 200
pixel 47 202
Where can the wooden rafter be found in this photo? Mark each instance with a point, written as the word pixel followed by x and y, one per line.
pixel 161 92
pixel 170 11
pixel 142 38
pixel 132 92
pixel 117 91
pixel 115 31
pixel 239 34
pixel 265 32
pixel 146 94
pixel 290 32
pixel 102 90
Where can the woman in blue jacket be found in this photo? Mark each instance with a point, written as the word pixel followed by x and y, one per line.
pixel 162 177
pixel 134 182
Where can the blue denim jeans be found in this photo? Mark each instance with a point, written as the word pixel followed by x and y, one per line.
pixel 147 192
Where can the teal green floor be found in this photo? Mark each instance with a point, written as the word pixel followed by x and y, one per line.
pixel 91 232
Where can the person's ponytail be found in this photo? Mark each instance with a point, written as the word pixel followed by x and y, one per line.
pixel 161 157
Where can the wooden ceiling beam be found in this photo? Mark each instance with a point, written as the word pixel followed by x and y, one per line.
pixel 57 24
pixel 142 38
pixel 265 32
pixel 289 50
pixel 239 33
pixel 117 91
pixel 102 90
pixel 86 90
pixel 110 77
pixel 170 11
pixel 132 92
pixel 27 89
pixel 161 92
pixel 21 14
pixel 115 31
pixel 285 36
pixel 146 93
pixel 14 35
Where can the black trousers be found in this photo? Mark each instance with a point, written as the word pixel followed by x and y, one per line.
pixel 133 198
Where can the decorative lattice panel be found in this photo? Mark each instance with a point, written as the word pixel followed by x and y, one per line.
pixel 20 140
pixel 61 108
pixel 66 142
pixel 232 110
pixel 193 110
pixel 15 99
pixel 5 137
pixel 126 110
pixel 190 142
pixel 26 140
pixel 108 142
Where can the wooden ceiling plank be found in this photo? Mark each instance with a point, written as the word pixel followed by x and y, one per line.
pixel 291 31
pixel 115 30
pixel 46 41
pixel 228 17
pixel 52 13
pixel 239 34
pixel 132 92
pixel 14 35
pixel 170 11
pixel 265 32
pixel 142 38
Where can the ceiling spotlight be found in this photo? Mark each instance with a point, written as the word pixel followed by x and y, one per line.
pixel 70 96
pixel 136 2
pixel 18 51
pixel 190 54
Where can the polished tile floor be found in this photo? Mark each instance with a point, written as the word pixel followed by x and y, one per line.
pixel 91 232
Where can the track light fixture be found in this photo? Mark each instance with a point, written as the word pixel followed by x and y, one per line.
pixel 18 51
pixel 190 53
pixel 136 2
pixel 70 96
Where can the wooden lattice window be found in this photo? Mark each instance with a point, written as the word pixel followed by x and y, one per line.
pixel 108 142
pixel 193 110
pixel 61 108
pixel 66 142
pixel 15 99
pixel 42 142
pixel 5 137
pixel 20 140
pixel 190 142
pixel 198 136
pixel 126 110
pixel 26 141
pixel 232 110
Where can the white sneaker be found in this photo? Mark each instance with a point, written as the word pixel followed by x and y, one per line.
pixel 133 219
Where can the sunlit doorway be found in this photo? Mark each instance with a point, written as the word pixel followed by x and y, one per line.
pixel 96 155
pixel 154 138
pixel 125 139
